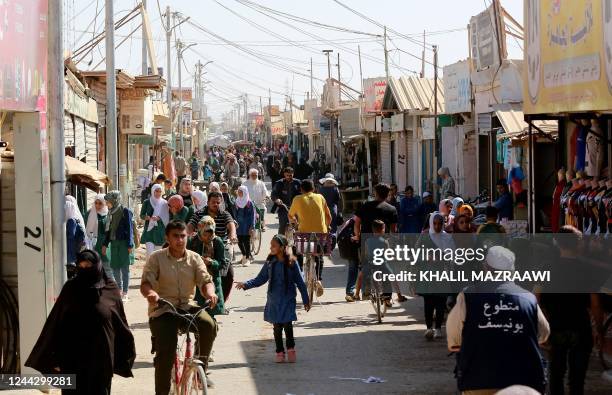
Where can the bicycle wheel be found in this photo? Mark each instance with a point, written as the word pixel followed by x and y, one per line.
pixel 309 277
pixel 605 349
pixel 194 381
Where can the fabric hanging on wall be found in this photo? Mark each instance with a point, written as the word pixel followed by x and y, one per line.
pixel 507 154
pixel 581 148
pixel 499 150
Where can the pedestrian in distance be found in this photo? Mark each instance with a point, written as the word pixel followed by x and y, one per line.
pixel 283 192
pixel 180 166
pixel 258 194
pixel 409 212
pixel 75 233
pixel 120 237
pixel 427 207
pixel 245 216
pixel 168 189
pixel 86 333
pixel 447 190
pixel 185 190
pixel 96 229
pixel 194 166
pixel 156 215
pixel 283 275
pixel 331 193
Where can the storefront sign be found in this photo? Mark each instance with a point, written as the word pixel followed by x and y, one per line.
pixel 428 128
pixel 278 128
pixel 136 116
pixel 84 108
pixel 568 54
pixel 457 91
pixel 484 39
pixel 186 94
pixel 23 54
pixel 374 92
pixel 141 139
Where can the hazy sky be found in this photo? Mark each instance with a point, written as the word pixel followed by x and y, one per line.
pixel 234 72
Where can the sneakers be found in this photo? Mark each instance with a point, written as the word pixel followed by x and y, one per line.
pixel 279 357
pixel 125 298
pixel 291 355
pixel 437 334
pixel 349 298
pixel 429 334
pixel 209 383
pixel 401 298
pixel 319 288
pixel 246 261
pixel 356 298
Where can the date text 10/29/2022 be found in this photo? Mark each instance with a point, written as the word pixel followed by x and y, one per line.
pixel 37 381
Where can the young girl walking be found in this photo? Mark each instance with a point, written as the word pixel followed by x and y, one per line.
pixel 283 275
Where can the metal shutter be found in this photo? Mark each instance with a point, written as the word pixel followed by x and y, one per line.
pixel 401 175
pixel 91 158
pixel 411 165
pixel 79 138
pixel 68 130
pixel 385 158
pixel 8 224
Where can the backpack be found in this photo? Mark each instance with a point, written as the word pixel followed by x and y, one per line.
pixel 347 248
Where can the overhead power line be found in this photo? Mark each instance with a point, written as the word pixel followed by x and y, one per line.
pixel 367 18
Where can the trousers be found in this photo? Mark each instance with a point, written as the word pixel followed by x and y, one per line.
pixel 278 336
pixel 244 243
pixel 164 331
pixel 122 278
pixel 569 348
pixel 434 303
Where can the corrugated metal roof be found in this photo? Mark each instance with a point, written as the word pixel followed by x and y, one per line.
pixel 413 94
pixel 514 125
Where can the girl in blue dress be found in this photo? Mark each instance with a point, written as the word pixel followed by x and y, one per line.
pixel 283 275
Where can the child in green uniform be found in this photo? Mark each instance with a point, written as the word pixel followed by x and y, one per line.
pixel 178 211
pixel 155 213
pixel 119 234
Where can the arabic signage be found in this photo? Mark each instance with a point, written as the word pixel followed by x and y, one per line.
pixel 136 116
pixel 277 128
pixel 23 67
pixel 457 91
pixel 373 92
pixel 568 52
pixel 484 39
pixel 186 94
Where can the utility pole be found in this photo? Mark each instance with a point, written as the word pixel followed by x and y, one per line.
pixel 111 99
pixel 311 80
pixel 144 42
pixel 435 65
pixel 327 52
pixel 179 54
pixel 168 72
pixel 55 128
pixel 246 118
pixel 270 117
pixel 339 131
pixel 423 57
pixel 339 81
pixel 386 56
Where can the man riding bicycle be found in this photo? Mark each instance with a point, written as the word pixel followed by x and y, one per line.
pixel 258 193
pixel 283 192
pixel 311 213
pixel 173 273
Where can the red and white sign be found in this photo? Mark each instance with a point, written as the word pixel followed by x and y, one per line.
pixel 23 55
pixel 373 92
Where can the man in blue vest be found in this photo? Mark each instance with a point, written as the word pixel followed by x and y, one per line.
pixel 496 328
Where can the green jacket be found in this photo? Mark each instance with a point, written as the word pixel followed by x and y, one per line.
pixel 185 215
pixel 220 259
pixel 157 235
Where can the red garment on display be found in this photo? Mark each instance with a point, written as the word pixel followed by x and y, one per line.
pixel 556 206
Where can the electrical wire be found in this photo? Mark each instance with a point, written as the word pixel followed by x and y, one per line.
pixel 310 22
pixel 344 48
pixel 428 46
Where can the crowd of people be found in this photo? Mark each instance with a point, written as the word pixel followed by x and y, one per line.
pixel 189 233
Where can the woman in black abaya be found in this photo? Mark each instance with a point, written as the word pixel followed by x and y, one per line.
pixel 86 333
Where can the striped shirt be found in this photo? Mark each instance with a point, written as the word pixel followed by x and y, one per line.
pixel 222 220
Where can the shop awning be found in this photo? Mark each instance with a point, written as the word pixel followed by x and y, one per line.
pixel 515 127
pixel 81 173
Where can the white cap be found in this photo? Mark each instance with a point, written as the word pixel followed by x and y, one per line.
pixel 426 194
pixel 328 177
pixel 500 258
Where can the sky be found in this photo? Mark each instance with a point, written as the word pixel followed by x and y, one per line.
pixel 252 52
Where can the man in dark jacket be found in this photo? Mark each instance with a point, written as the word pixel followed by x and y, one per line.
pixel 497 327
pixel 283 192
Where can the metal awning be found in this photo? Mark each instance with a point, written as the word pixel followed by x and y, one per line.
pixel 515 127
pixel 81 173
pixel 415 94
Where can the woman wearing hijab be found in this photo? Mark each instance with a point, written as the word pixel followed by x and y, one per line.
pixel 86 333
pixel 96 229
pixel 245 216
pixel 444 209
pixel 457 202
pixel 177 209
pixel 155 213
pixel 75 233
pixel 467 211
pixel 120 237
pixel 229 204
pixel 434 300
pixel 199 200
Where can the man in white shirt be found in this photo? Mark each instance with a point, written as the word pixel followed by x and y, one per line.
pixel 258 193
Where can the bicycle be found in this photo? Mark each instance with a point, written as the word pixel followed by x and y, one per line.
pixel 312 245
pixel 256 235
pixel 378 300
pixel 188 375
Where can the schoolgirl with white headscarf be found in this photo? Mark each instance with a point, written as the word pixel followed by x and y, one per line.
pixel 156 214
pixel 96 229
pixel 199 199
pixel 75 232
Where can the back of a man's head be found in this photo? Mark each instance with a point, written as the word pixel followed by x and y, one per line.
pixel 381 191
pixel 307 186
